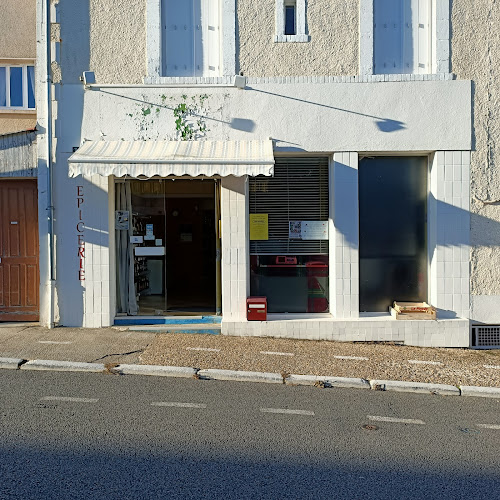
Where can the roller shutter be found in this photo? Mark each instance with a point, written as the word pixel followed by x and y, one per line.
pixel 298 191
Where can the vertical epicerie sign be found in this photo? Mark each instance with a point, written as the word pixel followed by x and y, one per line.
pixel 80 232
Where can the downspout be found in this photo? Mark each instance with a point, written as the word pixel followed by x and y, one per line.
pixel 50 207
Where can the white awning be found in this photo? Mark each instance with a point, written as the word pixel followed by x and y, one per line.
pixel 164 158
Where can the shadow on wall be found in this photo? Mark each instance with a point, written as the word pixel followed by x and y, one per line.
pixel 242 124
pixel 386 125
pixel 74 58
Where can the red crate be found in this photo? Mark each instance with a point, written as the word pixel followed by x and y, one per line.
pixel 257 308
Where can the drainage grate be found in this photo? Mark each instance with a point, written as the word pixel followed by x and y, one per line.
pixel 486 336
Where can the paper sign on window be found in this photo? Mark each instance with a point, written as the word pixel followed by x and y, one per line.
pixel 308 230
pixel 259 227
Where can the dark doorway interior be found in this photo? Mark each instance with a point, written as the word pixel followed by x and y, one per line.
pixel 182 215
pixel 392 231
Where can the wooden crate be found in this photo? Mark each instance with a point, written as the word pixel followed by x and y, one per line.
pixel 412 311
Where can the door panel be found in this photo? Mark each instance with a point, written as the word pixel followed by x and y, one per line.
pixel 392 231
pixel 19 272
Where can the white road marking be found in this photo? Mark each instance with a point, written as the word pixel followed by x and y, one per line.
pixel 285 411
pixel 494 367
pixel 490 426
pixel 422 362
pixel 53 342
pixel 354 358
pixel 178 405
pixel 70 400
pixel 202 349
pixel 272 353
pixel 396 420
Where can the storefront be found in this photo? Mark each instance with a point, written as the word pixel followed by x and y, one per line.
pixel 167 219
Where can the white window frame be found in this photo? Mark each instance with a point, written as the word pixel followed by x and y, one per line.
pixel 154 41
pixel 24 83
pixel 440 41
pixel 300 22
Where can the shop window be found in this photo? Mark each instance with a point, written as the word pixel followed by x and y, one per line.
pixel 289 236
pixel 17 87
pixel 191 38
pixel 392 231
pixel 402 36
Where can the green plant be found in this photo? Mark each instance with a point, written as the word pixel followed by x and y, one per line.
pixel 185 112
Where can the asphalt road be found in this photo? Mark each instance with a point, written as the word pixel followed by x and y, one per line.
pixel 123 437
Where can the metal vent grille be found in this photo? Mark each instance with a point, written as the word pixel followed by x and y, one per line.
pixel 297 191
pixel 486 336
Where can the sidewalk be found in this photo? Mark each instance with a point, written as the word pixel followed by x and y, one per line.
pixel 359 360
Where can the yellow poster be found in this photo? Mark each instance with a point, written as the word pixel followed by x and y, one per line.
pixel 259 227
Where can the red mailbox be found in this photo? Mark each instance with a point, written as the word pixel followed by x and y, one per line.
pixel 257 308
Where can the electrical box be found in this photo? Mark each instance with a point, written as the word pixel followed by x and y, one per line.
pixel 257 308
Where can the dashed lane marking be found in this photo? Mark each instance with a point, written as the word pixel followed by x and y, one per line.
pixel 490 426
pixel 353 358
pixel 272 353
pixel 286 411
pixel 175 404
pixel 54 342
pixel 493 367
pixel 423 362
pixel 208 349
pixel 69 399
pixel 396 420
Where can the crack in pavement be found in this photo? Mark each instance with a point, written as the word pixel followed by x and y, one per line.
pixel 117 354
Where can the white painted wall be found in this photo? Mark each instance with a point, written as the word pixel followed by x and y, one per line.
pixel 386 116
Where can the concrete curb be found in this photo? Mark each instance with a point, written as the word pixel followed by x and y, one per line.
pixel 156 370
pixel 62 366
pixel 483 392
pixel 418 387
pixel 247 376
pixel 327 382
pixel 10 363
pixel 240 376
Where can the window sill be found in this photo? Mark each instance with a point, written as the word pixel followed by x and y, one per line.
pixel 190 80
pixel 17 111
pixel 291 38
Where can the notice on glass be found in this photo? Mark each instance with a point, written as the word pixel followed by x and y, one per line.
pixel 308 230
pixel 259 227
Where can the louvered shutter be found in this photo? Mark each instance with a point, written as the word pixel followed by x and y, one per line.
pixel 211 33
pixel 179 38
pixel 298 191
pixel 402 36
pixel 422 35
pixel 191 37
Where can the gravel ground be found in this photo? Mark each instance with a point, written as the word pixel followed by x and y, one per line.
pixel 385 361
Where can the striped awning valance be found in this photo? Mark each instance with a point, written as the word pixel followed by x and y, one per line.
pixel 165 158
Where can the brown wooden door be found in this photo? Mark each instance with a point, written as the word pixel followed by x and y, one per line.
pixel 19 274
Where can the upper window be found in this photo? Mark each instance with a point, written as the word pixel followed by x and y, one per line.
pixel 402 36
pixel 17 87
pixel 191 38
pixel 291 21
pixel 290 16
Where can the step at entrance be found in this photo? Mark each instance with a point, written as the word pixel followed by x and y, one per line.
pixel 166 323
pixel 202 329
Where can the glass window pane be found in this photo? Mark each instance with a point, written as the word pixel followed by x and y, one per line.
pixel 3 95
pixel 16 86
pixel 291 283
pixel 31 87
pixel 290 20
pixel 392 231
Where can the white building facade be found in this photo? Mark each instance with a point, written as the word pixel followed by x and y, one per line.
pixel 333 177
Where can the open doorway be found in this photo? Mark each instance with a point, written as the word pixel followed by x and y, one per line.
pixel 172 237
